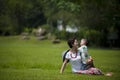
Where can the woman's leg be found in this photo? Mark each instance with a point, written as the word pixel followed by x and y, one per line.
pixel 96 71
pixel 90 71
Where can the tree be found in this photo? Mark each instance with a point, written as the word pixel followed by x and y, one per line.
pixel 59 9
pixel 17 14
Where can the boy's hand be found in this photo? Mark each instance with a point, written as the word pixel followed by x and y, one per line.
pixel 89 60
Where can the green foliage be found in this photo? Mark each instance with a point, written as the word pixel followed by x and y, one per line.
pixel 94 37
pixel 18 14
pixel 60 9
pixel 45 27
pixel 99 15
pixel 65 35
pixel 60 34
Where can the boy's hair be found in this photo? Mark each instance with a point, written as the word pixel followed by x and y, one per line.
pixel 71 42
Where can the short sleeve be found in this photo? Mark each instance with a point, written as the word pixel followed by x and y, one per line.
pixel 67 55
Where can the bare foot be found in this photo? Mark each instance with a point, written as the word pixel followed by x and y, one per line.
pixel 109 74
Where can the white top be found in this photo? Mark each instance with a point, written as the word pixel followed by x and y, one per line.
pixel 75 60
pixel 84 53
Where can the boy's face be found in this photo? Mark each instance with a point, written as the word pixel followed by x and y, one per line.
pixel 82 42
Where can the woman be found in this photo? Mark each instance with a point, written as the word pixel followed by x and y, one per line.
pixel 75 59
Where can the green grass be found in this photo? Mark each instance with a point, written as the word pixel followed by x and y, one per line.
pixel 41 60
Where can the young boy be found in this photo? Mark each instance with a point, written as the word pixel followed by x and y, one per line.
pixel 86 58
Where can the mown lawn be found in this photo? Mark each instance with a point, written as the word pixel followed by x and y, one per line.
pixel 41 60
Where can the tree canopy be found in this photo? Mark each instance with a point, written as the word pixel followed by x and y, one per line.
pixel 100 15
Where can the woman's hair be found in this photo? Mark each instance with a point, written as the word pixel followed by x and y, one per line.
pixel 71 42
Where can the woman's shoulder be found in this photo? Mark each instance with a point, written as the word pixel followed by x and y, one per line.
pixel 68 55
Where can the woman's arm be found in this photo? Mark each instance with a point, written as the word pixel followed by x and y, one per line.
pixel 63 66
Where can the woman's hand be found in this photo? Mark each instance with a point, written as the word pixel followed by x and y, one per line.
pixel 63 66
pixel 61 72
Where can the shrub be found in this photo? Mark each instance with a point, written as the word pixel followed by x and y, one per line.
pixel 94 37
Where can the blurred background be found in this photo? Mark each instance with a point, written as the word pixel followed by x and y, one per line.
pixel 96 20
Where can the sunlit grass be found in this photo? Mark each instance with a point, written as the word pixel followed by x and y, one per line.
pixel 41 60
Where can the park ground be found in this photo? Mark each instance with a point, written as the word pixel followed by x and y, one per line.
pixel 41 60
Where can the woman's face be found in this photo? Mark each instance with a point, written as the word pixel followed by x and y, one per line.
pixel 75 43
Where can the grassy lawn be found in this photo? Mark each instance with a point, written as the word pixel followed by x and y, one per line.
pixel 41 60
